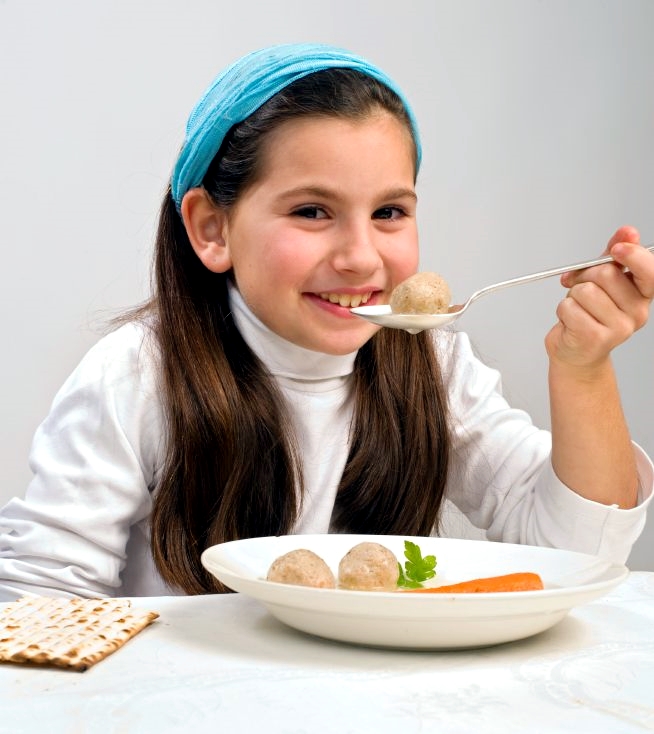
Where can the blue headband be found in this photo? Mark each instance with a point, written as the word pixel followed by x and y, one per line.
pixel 243 87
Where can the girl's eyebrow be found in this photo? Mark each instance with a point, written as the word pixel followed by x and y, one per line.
pixel 321 192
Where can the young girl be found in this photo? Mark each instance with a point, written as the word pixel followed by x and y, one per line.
pixel 244 399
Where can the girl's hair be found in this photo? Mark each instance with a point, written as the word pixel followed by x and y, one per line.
pixel 231 469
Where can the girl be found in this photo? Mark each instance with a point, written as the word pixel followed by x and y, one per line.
pixel 244 399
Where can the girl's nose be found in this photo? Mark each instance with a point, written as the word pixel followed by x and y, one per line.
pixel 357 250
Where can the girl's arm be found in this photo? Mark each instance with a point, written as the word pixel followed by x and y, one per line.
pixel 93 459
pixel 591 447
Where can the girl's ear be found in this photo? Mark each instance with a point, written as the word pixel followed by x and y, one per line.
pixel 205 225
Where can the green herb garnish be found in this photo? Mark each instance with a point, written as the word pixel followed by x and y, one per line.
pixel 416 568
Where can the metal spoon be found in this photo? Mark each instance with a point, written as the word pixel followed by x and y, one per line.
pixel 415 322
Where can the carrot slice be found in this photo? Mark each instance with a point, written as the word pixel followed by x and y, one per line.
pixel 523 581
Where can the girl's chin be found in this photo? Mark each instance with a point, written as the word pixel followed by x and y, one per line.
pixel 340 344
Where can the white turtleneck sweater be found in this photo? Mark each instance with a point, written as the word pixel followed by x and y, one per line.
pixel 83 527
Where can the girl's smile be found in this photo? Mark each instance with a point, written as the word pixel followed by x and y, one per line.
pixel 329 224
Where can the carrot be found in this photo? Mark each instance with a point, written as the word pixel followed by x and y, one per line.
pixel 509 582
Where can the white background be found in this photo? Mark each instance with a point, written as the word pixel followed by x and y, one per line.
pixel 536 117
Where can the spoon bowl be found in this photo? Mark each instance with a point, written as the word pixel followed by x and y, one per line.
pixel 416 322
pixel 411 322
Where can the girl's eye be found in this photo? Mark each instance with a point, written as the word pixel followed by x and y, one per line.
pixel 310 212
pixel 388 212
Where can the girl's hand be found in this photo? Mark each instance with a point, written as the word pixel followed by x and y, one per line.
pixel 604 306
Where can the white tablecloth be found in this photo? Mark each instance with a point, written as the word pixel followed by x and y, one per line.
pixel 223 664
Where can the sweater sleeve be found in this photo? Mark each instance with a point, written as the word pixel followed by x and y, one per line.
pixel 501 477
pixel 93 461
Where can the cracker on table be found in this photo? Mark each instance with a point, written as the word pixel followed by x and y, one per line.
pixel 67 633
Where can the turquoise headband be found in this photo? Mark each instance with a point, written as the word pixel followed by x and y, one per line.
pixel 243 87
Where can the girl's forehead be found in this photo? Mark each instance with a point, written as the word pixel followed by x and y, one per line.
pixel 309 133
pixel 354 159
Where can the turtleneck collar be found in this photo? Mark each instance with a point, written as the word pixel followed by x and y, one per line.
pixel 282 357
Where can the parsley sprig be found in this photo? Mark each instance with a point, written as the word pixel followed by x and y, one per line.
pixel 416 568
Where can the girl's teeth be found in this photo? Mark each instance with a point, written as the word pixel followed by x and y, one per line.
pixel 345 300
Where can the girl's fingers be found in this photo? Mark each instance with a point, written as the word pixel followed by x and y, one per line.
pixel 605 304
pixel 640 263
pixel 623 234
pixel 628 282
pixel 590 310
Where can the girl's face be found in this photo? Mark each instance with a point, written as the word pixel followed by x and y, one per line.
pixel 329 224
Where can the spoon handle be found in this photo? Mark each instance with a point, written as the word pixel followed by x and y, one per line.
pixel 544 274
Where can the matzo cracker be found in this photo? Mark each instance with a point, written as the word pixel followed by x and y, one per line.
pixel 67 633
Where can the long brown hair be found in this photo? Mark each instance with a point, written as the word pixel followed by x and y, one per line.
pixel 231 470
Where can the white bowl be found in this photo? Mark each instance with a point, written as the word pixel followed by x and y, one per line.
pixel 418 621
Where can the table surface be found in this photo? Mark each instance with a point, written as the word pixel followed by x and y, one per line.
pixel 222 663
